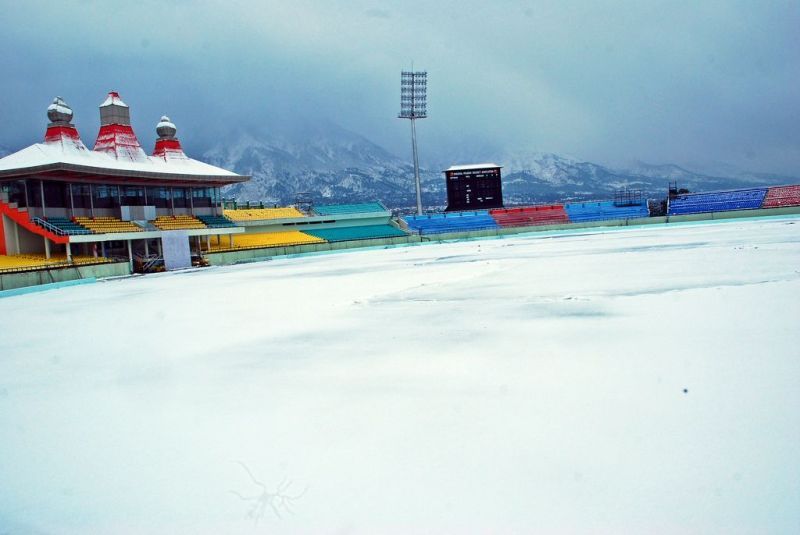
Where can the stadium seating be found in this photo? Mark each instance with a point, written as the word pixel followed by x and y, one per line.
pixel 263 240
pixel 717 201
pixel 530 215
pixel 107 225
pixel 340 209
pixel 67 226
pixel 260 214
pixel 178 222
pixel 216 221
pixel 782 196
pixel 365 232
pixel 451 222
pixel 580 212
pixel 31 262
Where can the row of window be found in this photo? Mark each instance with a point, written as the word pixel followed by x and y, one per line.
pixel 63 195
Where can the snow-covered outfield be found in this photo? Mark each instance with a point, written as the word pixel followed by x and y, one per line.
pixel 640 381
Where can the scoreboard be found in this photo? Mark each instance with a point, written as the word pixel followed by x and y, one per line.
pixel 474 187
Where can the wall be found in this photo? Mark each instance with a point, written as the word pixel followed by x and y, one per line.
pixel 10 281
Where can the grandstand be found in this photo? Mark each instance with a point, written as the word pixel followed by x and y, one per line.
pixel 782 196
pixel 178 222
pixel 107 225
pixel 32 262
pixel 525 216
pixel 262 214
pixel 216 221
pixel 346 209
pixel 605 211
pixel 451 222
pixel 717 201
pixel 365 232
pixel 263 240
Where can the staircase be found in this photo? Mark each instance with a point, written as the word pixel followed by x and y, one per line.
pixel 20 216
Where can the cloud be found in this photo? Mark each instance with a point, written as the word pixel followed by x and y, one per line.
pixel 658 81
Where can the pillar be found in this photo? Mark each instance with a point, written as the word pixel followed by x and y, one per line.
pixel 208 242
pixel 71 201
pixel 130 255
pixel 146 248
pixel 191 200
pixel 44 207
pixel 46 248
pixel 69 253
pixel 160 248
pixel 230 239
pixel 172 200
pixel 91 200
pixel 103 248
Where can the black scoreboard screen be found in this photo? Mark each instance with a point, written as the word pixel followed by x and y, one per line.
pixel 474 189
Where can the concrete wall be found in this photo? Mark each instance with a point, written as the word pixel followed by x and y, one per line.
pixel 10 281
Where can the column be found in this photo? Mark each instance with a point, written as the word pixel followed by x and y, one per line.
pixel 146 248
pixel 91 200
pixel 208 242
pixel 44 208
pixel 130 255
pixel 191 200
pixel 46 248
pixel 160 250
pixel 71 201
pixel 69 253
pixel 103 248
pixel 172 200
pixel 230 239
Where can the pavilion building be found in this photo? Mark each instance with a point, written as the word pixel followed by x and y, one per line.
pixel 60 198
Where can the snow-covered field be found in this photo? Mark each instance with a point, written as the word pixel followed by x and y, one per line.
pixel 635 381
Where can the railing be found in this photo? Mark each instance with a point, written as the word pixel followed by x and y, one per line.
pixel 58 230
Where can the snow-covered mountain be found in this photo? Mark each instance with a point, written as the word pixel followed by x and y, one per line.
pixel 336 165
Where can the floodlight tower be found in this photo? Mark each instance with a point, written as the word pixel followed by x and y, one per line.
pixel 413 106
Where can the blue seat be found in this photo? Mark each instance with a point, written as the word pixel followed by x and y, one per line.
pixel 717 201
pixel 451 222
pixel 605 210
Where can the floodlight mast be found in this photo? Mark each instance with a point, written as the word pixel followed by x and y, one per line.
pixel 413 106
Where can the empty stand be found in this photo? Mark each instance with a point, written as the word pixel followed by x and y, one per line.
pixel 341 209
pixel 107 225
pixel 63 225
pixel 717 201
pixel 264 240
pixel 32 262
pixel 178 222
pixel 782 196
pixel 365 232
pixel 530 215
pixel 216 221
pixel 451 222
pixel 579 212
pixel 260 214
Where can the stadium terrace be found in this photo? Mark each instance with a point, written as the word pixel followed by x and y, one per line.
pixel 70 213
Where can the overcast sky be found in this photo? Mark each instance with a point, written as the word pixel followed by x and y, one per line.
pixel 697 83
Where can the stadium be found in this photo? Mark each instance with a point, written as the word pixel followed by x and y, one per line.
pixel 575 367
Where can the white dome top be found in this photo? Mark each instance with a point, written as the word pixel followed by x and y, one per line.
pixel 165 128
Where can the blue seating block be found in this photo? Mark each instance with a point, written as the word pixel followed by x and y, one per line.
pixel 604 210
pixel 717 201
pixel 451 222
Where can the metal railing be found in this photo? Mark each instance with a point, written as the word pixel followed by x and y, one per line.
pixel 58 231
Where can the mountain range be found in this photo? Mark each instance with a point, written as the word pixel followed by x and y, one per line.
pixel 335 165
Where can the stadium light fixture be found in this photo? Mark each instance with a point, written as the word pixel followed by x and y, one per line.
pixel 413 106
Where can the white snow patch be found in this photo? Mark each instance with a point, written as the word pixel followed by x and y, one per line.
pixel 635 381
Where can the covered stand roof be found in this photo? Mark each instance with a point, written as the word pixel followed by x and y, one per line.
pixel 117 155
